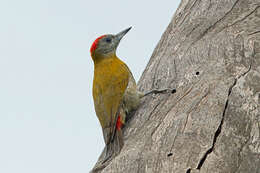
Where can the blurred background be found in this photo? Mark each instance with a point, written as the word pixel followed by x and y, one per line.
pixel 47 118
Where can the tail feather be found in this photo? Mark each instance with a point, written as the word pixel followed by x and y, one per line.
pixel 113 148
pixel 119 139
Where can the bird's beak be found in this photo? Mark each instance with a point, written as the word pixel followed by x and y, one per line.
pixel 121 34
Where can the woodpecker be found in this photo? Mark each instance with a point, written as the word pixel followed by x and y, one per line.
pixel 114 90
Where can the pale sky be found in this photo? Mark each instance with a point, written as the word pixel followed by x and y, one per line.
pixel 47 118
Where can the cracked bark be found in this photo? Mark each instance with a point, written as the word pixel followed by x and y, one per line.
pixel 210 53
pixel 217 133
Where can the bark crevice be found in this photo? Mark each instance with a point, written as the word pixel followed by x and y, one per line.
pixel 217 133
pixel 208 29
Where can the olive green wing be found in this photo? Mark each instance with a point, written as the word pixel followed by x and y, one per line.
pixel 108 89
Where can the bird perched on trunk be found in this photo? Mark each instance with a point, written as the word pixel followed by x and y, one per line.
pixel 114 90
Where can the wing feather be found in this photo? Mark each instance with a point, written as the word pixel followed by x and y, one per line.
pixel 110 82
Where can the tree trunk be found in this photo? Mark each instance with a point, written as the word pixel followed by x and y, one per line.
pixel 210 53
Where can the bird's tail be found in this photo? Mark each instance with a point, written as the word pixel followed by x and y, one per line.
pixel 115 146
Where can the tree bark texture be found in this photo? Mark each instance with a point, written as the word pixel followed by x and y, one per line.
pixel 210 53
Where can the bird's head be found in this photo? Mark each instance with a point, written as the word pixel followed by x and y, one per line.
pixel 106 45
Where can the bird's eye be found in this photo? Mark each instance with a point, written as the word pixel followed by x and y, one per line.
pixel 108 40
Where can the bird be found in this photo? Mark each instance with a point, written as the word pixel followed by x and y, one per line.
pixel 114 90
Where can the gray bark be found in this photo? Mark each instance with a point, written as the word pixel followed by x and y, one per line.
pixel 210 53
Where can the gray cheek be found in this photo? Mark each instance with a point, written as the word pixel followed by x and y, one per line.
pixel 107 49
